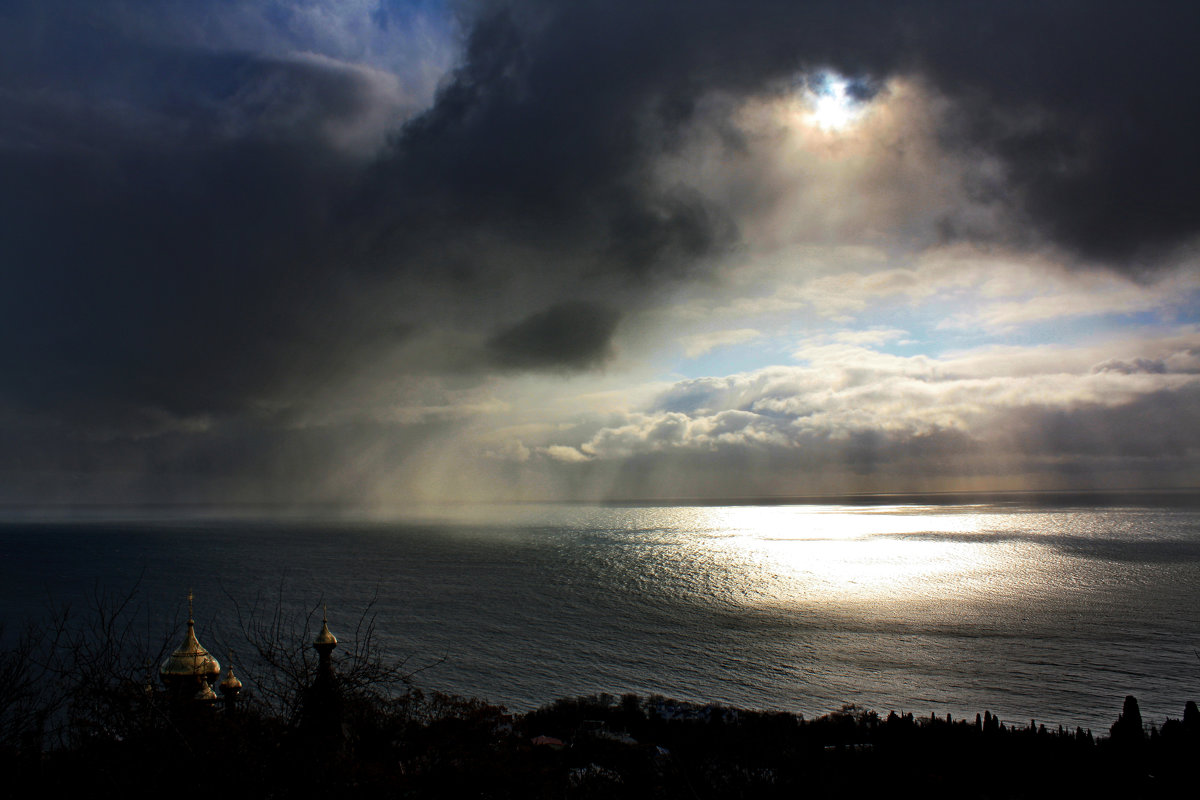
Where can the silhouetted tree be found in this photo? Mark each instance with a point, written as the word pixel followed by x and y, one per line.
pixel 1191 719
pixel 27 698
pixel 1128 727
pixel 284 666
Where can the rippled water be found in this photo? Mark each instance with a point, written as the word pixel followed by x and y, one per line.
pixel 1055 615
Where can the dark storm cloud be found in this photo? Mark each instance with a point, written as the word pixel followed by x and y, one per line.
pixel 571 335
pixel 544 138
pixel 162 246
pixel 1092 108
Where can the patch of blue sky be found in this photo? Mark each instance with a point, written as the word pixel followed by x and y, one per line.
pixel 942 328
pixel 1187 312
pixel 400 36
pixel 433 14
pixel 933 330
pixel 768 351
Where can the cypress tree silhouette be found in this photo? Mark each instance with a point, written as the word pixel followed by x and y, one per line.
pixel 1191 718
pixel 1128 727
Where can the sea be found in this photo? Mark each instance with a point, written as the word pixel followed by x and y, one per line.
pixel 1051 612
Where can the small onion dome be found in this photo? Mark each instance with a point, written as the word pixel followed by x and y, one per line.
pixel 205 693
pixel 190 660
pixel 230 683
pixel 325 638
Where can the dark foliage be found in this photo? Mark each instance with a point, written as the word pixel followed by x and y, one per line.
pixel 85 719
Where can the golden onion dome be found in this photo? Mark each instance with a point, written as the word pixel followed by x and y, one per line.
pixel 190 659
pixel 230 683
pixel 325 637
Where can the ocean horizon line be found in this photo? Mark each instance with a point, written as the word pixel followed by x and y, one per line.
pixel 1182 497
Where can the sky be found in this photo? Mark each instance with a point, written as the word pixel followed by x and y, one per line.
pixel 383 253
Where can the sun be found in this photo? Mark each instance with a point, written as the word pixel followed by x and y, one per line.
pixel 832 107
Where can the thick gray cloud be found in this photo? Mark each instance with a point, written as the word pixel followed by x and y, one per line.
pixel 856 417
pixel 571 334
pixel 208 221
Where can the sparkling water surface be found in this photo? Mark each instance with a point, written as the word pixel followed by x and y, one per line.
pixel 1047 614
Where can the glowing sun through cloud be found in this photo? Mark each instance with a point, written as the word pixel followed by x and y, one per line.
pixel 832 108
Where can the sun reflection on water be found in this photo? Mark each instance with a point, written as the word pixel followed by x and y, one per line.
pixel 840 554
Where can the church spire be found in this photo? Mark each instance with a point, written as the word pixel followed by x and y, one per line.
pixel 323 701
pixel 190 671
pixel 325 641
pixel 230 686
